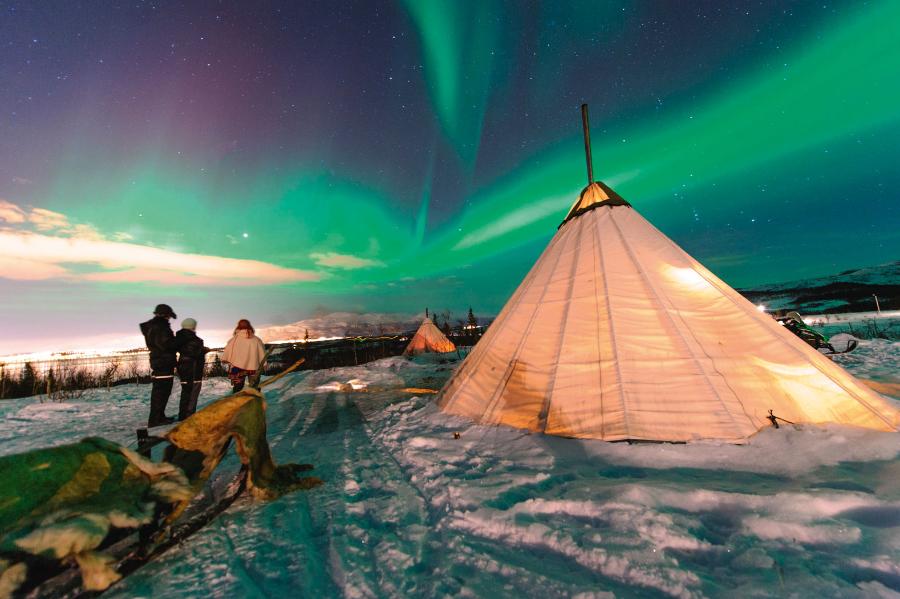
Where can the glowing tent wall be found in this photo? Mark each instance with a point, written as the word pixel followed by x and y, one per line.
pixel 617 333
pixel 429 338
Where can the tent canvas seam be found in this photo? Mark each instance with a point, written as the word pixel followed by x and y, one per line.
pixel 498 392
pixel 487 340
pixel 650 287
pixel 612 327
pixel 795 349
pixel 545 408
pixel 724 379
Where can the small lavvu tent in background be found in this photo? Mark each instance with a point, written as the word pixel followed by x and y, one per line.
pixel 617 333
pixel 428 339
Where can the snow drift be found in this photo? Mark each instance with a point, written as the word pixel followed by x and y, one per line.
pixel 408 510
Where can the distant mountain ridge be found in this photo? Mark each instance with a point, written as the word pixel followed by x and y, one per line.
pixel 848 291
pixel 343 324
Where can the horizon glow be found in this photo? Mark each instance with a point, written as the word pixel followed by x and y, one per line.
pixel 432 171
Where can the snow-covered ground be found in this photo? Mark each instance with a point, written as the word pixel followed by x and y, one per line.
pixel 407 510
pixel 33 422
pixel 885 316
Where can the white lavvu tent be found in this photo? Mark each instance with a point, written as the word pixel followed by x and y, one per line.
pixel 617 333
pixel 428 338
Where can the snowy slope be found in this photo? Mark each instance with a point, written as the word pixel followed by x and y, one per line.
pixel 33 422
pixel 407 510
pixel 882 274
pixel 342 324
pixel 849 291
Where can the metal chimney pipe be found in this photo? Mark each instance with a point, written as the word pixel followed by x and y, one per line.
pixel 586 125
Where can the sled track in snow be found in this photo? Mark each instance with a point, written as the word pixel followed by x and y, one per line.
pixel 407 510
pixel 377 521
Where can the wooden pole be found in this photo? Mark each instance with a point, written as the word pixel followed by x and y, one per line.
pixel 586 126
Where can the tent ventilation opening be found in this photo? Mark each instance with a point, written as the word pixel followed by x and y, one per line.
pixel 596 193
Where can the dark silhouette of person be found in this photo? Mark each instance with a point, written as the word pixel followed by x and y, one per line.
pixel 191 361
pixel 161 343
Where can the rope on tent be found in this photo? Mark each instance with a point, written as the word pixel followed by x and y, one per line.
pixel 774 419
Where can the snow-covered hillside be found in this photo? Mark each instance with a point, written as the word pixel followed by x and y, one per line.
pixel 849 291
pixel 342 324
pixel 882 274
pixel 408 511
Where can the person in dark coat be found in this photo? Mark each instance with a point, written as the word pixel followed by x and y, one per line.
pixel 191 361
pixel 161 343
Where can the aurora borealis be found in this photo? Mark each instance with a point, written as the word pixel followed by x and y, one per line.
pixel 275 160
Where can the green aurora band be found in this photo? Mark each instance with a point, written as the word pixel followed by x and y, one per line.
pixel 733 153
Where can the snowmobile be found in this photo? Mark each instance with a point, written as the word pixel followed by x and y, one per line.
pixel 794 323
pixel 85 515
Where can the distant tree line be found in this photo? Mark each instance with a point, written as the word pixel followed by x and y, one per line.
pixel 468 328
pixel 59 380
pixel 69 379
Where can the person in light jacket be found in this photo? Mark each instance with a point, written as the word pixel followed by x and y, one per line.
pixel 244 353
